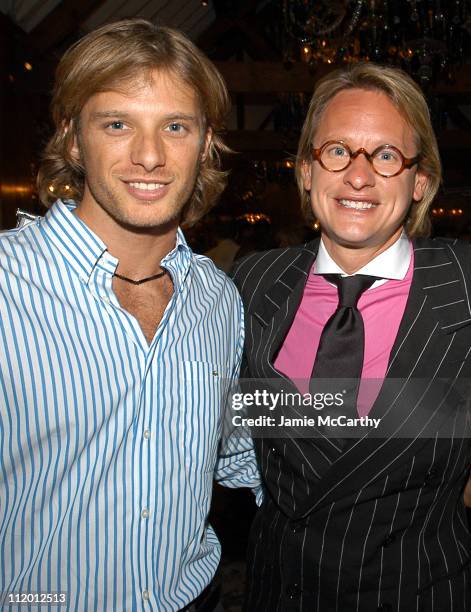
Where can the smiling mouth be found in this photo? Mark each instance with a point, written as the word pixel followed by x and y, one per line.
pixel 357 205
pixel 146 186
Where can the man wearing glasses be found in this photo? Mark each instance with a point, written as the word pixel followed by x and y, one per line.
pixel 371 518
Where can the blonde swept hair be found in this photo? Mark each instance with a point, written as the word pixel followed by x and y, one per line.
pixel 409 100
pixel 108 57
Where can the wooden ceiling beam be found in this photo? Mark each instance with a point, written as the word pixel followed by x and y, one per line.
pixel 266 77
pixel 458 118
pixel 264 140
pixel 62 22
pixel 454 140
pixel 269 77
pixel 260 140
pixel 460 85
pixel 226 20
pixel 255 44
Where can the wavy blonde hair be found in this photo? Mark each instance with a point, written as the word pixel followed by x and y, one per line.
pixel 411 104
pixel 115 53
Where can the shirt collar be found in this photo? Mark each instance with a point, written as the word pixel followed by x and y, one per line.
pixel 84 251
pixel 392 263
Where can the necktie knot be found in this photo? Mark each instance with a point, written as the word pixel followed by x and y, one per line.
pixel 351 287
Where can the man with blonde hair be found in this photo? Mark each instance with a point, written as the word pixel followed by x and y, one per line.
pixel 364 507
pixel 118 344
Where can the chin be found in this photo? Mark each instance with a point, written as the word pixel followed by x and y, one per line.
pixel 351 240
pixel 148 222
pixel 353 244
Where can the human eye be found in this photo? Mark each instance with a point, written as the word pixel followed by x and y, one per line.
pixel 177 128
pixel 337 150
pixel 115 126
pixel 386 155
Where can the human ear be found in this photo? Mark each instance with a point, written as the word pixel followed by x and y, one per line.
pixel 420 184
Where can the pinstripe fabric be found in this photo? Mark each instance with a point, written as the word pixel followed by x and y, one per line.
pixel 109 446
pixel 379 524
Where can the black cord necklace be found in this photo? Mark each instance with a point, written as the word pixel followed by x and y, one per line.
pixel 143 280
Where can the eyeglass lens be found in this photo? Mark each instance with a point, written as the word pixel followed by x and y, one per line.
pixel 386 160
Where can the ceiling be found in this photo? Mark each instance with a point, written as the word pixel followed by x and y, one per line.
pixel 246 38
pixel 27 13
pixel 188 15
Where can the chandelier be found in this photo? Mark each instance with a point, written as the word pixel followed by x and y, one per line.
pixel 427 38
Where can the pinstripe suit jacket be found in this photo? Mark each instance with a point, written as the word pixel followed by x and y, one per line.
pixel 374 524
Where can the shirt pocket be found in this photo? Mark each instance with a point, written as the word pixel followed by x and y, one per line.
pixel 203 394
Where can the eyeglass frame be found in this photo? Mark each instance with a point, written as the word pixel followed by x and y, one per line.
pixel 407 162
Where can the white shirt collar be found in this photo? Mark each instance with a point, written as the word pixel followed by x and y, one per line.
pixel 392 263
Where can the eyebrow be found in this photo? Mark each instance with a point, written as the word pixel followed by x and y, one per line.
pixel 184 116
pixel 371 147
pixel 123 114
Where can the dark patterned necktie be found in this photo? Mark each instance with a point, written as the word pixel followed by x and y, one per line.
pixel 341 346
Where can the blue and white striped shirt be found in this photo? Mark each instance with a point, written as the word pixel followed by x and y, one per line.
pixel 109 446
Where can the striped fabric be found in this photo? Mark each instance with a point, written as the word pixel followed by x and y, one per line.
pixel 377 524
pixel 109 446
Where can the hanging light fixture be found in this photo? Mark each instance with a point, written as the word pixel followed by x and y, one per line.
pixel 429 39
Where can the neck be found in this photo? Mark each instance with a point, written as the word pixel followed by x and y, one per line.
pixel 140 256
pixel 352 259
pixel 138 250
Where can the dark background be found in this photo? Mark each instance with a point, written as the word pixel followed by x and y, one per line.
pixel 271 53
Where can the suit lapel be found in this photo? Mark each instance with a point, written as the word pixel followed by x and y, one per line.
pixel 277 307
pixel 437 306
pixel 439 289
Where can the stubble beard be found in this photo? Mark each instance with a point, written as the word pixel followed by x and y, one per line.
pixel 152 215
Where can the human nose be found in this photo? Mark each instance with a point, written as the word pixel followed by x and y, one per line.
pixel 148 150
pixel 360 172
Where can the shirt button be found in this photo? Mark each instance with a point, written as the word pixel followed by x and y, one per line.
pixel 389 539
pixel 145 595
pixel 146 434
pixel 145 513
pixel 215 373
pixel 293 591
pixel 106 299
pixel 298 527
pixel 430 475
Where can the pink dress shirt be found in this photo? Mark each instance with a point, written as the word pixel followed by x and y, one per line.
pixel 382 308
